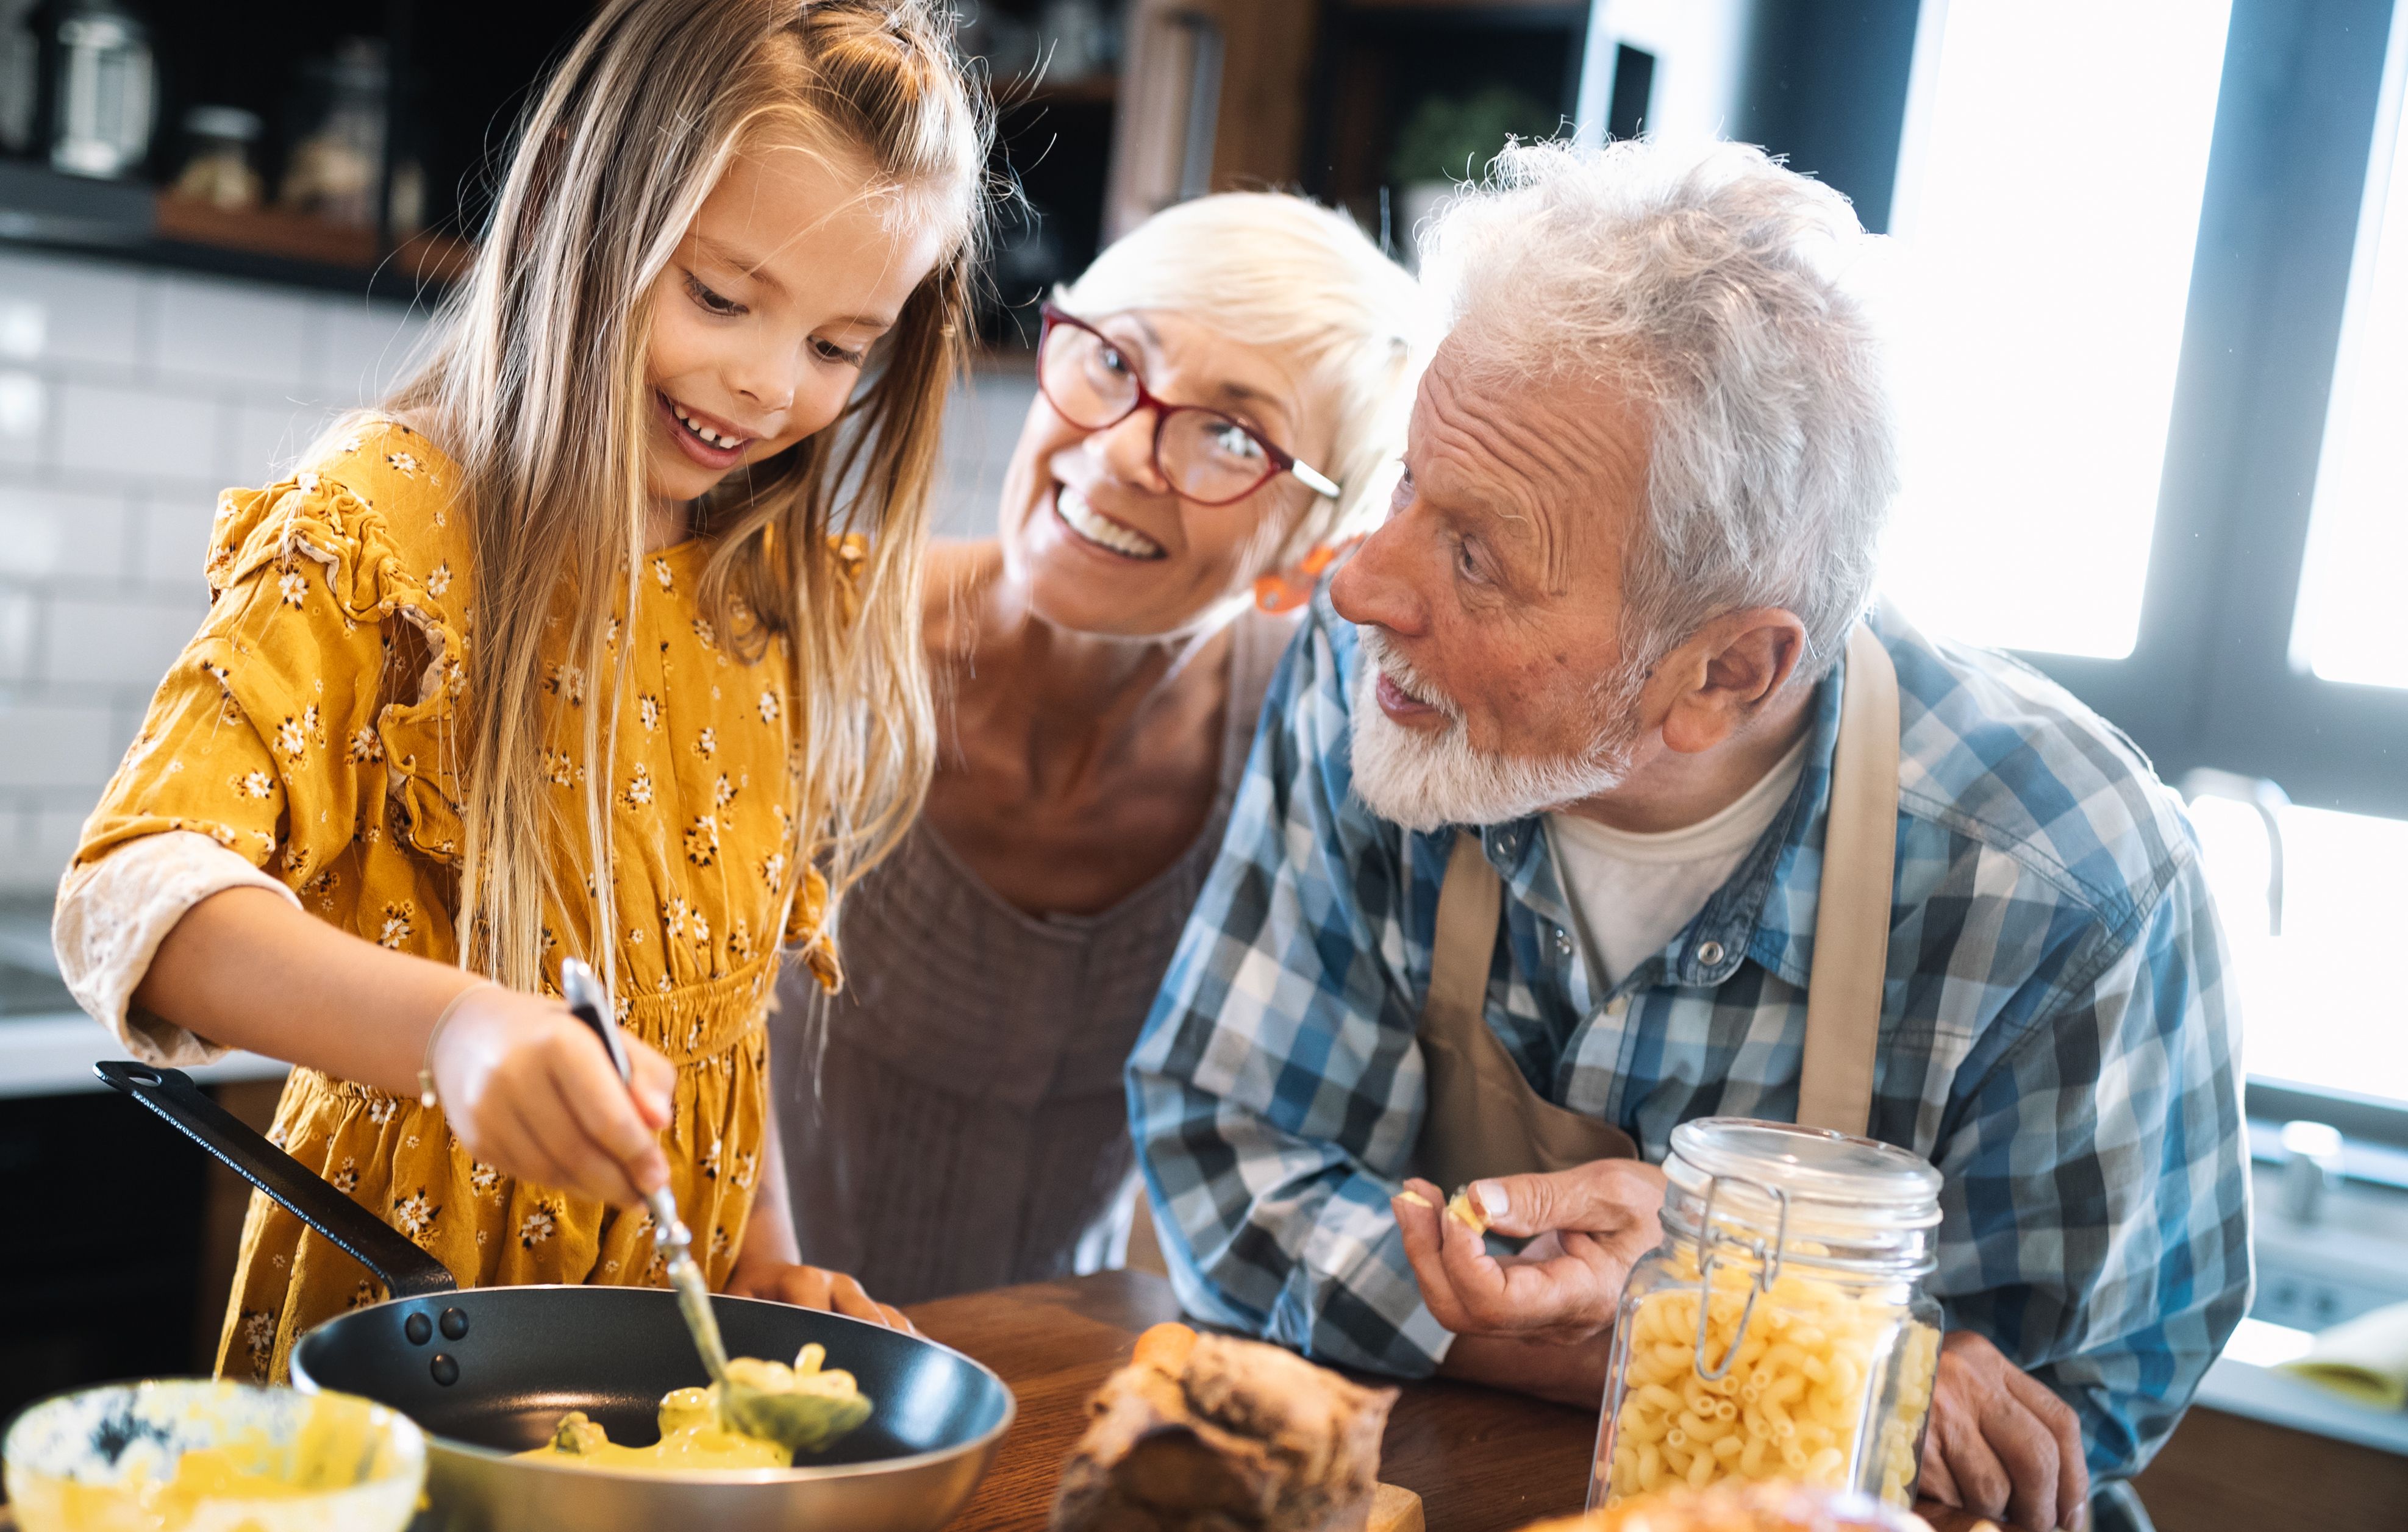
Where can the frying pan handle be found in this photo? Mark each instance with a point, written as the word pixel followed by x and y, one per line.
pixel 406 1270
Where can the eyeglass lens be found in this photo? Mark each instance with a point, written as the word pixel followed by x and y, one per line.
pixel 1204 454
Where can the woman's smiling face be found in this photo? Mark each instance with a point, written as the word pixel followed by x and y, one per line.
pixel 1094 536
pixel 764 314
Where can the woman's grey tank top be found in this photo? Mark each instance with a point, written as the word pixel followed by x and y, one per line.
pixel 955 1119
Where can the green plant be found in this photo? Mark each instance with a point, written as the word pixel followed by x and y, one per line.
pixel 1454 137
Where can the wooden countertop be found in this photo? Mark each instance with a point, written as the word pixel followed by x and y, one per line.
pixel 1478 1459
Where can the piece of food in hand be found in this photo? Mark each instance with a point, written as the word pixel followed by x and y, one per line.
pixel 1733 1506
pixel 1202 1433
pixel 1466 1210
pixel 1415 1198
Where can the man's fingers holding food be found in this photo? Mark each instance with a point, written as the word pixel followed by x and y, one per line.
pixel 1602 1196
pixel 1418 1221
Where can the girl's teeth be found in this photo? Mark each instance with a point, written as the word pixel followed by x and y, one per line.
pixel 1084 520
pixel 706 433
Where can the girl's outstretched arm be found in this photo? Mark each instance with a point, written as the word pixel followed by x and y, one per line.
pixel 523 1083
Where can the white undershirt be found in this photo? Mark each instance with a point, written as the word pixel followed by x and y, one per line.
pixel 1631 893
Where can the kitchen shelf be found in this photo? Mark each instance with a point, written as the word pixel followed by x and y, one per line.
pixel 45 209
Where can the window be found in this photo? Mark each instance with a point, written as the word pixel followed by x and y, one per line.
pixel 2309 1016
pixel 2357 545
pixel 2048 203
pixel 2128 404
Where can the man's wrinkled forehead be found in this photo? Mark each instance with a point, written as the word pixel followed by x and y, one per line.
pixel 1539 457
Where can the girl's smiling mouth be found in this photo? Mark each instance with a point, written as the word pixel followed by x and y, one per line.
pixel 705 438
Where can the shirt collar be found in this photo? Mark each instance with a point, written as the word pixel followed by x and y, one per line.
pixel 1743 918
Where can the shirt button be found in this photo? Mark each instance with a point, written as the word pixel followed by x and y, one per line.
pixel 1563 941
pixel 1710 952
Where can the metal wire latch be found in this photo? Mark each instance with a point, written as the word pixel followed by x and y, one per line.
pixel 1768 1267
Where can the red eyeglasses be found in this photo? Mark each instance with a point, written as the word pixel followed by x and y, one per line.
pixel 1205 456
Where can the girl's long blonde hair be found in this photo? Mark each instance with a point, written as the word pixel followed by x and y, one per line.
pixel 536 386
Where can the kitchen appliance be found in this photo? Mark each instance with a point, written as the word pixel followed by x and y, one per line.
pixel 106 91
pixel 489 1372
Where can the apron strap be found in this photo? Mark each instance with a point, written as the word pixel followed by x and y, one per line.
pixel 1480 1116
pixel 1852 910
pixel 1464 940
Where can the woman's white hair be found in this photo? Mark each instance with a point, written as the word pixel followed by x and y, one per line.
pixel 1285 275
pixel 1713 285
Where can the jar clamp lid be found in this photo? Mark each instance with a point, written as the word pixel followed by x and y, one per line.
pixel 1857 1206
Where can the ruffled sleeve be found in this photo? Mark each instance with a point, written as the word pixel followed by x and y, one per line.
pixel 321 684
pixel 369 559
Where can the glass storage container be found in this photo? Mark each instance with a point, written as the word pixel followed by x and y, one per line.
pixel 1781 1331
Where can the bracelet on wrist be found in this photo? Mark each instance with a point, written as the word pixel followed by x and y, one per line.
pixel 442 1019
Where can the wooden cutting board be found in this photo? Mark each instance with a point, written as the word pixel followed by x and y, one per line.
pixel 1396 1509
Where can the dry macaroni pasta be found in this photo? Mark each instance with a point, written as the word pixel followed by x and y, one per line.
pixel 1792 1402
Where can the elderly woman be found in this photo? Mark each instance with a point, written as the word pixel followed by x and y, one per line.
pixel 1218 395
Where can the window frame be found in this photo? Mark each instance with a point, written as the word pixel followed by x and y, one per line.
pixel 2211 680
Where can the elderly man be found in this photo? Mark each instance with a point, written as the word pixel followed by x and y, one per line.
pixel 1595 656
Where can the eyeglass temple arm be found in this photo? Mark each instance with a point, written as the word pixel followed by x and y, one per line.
pixel 1315 479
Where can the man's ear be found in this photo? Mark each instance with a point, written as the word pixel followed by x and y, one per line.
pixel 1726 672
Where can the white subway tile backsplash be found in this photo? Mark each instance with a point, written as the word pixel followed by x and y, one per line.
pixel 268 437
pixel 367 347
pixel 20 632
pixel 220 330
pixel 80 310
pixel 50 837
pixel 119 641
pixel 50 745
pixel 171 537
pixel 46 532
pixel 24 415
pixel 147 432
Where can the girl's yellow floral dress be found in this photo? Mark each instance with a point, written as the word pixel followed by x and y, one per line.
pixel 310 728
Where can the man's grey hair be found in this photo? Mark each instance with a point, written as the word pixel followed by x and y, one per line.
pixel 1708 283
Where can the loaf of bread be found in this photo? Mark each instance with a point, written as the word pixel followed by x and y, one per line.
pixel 1739 1505
pixel 1207 1434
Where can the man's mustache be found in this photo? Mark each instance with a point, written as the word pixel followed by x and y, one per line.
pixel 1401 674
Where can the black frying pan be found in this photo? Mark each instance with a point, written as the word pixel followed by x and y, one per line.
pixel 489 1372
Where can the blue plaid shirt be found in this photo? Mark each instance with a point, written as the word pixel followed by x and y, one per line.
pixel 2055 1035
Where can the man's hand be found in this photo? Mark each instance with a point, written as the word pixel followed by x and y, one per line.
pixel 810 1288
pixel 2001 1444
pixel 1587 1227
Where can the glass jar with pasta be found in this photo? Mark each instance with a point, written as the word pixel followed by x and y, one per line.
pixel 1781 1331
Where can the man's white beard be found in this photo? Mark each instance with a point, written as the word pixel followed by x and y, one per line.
pixel 1420 780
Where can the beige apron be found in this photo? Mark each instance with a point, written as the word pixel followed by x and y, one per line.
pixel 1483 1119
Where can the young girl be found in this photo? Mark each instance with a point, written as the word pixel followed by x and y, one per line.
pixel 569 655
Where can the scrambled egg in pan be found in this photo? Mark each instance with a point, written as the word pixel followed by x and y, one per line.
pixel 692 1436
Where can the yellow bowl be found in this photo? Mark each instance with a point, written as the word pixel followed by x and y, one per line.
pixel 185 1454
